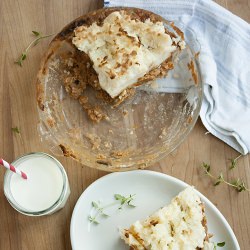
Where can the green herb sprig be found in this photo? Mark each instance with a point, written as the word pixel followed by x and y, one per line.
pixel 24 54
pixel 99 209
pixel 234 162
pixel 125 200
pixel 237 184
pixel 99 212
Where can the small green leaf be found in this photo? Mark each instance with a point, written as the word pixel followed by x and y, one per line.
pixel 119 197
pixel 36 33
pixel 105 215
pixel 19 62
pixel 235 182
pixel 15 130
pixel 94 204
pixel 21 59
pixel 23 56
pixel 132 205
pixel 36 42
pixel 217 183
pixel 208 169
pixel 233 164
pixel 93 220
pixel 221 244
pixel 241 187
pixel 221 177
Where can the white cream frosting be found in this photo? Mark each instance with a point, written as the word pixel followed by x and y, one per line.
pixel 179 226
pixel 123 50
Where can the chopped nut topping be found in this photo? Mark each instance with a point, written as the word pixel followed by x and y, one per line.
pixel 139 46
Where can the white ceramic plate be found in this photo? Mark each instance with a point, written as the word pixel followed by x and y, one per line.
pixel 153 190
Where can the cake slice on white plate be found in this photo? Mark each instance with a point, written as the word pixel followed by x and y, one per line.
pixel 181 225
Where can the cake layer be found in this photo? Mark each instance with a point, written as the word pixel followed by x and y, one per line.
pixel 123 49
pixel 179 225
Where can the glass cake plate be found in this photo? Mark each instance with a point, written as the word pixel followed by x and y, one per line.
pixel 137 133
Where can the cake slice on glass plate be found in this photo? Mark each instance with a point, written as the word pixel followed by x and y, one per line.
pixel 127 50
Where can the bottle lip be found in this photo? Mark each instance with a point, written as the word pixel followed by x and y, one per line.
pixel 53 207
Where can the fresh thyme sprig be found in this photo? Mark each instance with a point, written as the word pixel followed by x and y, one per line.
pixel 39 37
pixel 234 162
pixel 93 220
pixel 99 210
pixel 16 130
pixel 125 200
pixel 238 184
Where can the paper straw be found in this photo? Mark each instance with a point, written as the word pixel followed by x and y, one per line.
pixel 13 169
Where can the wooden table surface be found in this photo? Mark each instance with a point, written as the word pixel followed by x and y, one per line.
pixel 18 108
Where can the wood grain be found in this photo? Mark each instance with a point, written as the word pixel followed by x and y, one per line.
pixel 18 108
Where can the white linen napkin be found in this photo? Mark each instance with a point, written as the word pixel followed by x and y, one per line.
pixel 224 62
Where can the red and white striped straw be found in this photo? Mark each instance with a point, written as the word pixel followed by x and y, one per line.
pixel 13 169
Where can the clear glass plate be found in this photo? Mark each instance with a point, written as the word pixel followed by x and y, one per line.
pixel 137 133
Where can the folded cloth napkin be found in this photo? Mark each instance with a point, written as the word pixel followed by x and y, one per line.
pixel 224 62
